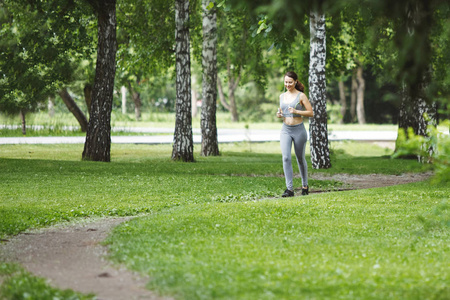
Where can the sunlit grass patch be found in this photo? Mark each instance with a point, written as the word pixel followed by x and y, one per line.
pixel 356 245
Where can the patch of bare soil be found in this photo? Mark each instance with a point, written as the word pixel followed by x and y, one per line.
pixel 373 180
pixel 72 256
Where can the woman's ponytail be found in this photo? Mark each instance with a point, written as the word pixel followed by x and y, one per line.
pixel 299 86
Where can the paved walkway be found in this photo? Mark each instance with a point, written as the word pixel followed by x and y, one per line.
pixel 165 136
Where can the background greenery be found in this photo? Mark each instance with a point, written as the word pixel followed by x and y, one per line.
pixel 271 41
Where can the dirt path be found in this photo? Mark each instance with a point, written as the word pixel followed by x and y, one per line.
pixel 373 180
pixel 72 257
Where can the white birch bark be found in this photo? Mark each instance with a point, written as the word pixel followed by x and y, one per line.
pixel 413 110
pixel 51 106
pixel 210 144
pixel 194 97
pixel 360 113
pixel 415 106
pixel 320 153
pixel 123 92
pixel 183 145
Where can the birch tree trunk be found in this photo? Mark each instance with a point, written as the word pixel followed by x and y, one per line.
pixel 194 97
pixel 223 101
pixel 51 106
pixel 342 100
pixel 353 92
pixel 74 109
pixel 320 153
pixel 415 106
pixel 123 92
pixel 413 110
pixel 361 115
pixel 232 85
pixel 22 114
pixel 183 145
pixel 136 96
pixel 98 138
pixel 210 145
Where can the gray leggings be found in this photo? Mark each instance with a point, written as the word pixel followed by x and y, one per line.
pixel 296 134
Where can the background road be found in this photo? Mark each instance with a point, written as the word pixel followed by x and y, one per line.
pixel 165 136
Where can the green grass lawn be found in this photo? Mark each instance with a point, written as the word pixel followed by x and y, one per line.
pixel 217 229
pixel 366 244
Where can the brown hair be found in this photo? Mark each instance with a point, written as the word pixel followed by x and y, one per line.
pixel 298 85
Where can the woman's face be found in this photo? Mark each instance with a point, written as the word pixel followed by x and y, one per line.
pixel 289 83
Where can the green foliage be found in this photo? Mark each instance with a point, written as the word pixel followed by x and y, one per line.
pixel 239 52
pixel 145 36
pixel 19 284
pixel 433 148
pixel 41 44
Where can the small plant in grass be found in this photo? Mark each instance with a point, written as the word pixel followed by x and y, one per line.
pixel 434 148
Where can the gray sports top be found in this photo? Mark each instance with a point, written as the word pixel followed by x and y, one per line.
pixel 285 106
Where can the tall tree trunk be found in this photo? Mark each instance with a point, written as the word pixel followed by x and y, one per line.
pixel 194 97
pixel 353 93
pixel 183 145
pixel 320 153
pixel 136 96
pixel 51 106
pixel 98 138
pixel 222 99
pixel 74 109
pixel 233 106
pixel 413 110
pixel 123 92
pixel 360 95
pixel 22 114
pixel 342 100
pixel 416 71
pixel 233 83
pixel 210 145
pixel 88 96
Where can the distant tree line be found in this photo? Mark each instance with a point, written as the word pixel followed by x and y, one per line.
pixel 375 61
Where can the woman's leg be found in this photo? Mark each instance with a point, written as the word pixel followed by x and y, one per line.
pixel 286 145
pixel 300 138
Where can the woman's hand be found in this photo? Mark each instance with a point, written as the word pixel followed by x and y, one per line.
pixel 292 110
pixel 279 113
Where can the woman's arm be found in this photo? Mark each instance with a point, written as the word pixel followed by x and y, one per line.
pixel 308 112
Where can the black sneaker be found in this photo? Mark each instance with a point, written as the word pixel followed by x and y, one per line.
pixel 305 190
pixel 288 193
